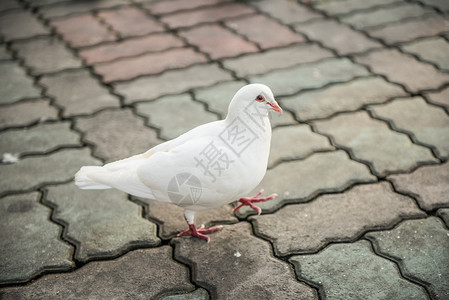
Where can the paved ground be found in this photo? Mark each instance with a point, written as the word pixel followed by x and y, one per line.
pixel 359 159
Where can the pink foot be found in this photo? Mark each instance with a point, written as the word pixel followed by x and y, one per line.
pixel 200 232
pixel 250 200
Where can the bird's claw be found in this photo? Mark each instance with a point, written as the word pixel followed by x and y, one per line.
pixel 248 201
pixel 200 232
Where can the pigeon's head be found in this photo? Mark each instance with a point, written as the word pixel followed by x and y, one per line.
pixel 256 93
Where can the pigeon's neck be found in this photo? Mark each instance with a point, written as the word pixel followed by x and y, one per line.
pixel 251 116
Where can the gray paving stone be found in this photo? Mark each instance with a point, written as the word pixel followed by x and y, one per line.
pixel 140 274
pixel 45 54
pixel 27 113
pixel 314 75
pixel 337 217
pixel 4 54
pixel 78 92
pixel 440 4
pixel 385 15
pixel 440 97
pixel 299 181
pixel 412 29
pixel 337 36
pixel 434 50
pixel 19 24
pixel 347 6
pixel 260 63
pixel 418 243
pixel 287 12
pixel 426 123
pixel 348 96
pixel 117 134
pixel 174 115
pixel 22 255
pixel 371 141
pixel 35 171
pixel 104 224
pixel 63 9
pixel 9 4
pixel 428 184
pixel 397 67
pixel 15 84
pixel 198 294
pixel 37 3
pixel 40 139
pixel 171 82
pixel 237 265
pixel 353 269
pixel 443 213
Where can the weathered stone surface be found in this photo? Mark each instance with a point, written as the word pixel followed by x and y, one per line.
pixel 78 92
pixel 347 6
pixel 444 214
pixel 337 217
pixel 22 255
pixel 198 294
pixel 353 269
pixel 27 113
pixel 172 82
pixel 371 141
pixel 174 115
pixel 397 67
pixel 314 75
pixel 140 274
pixel 348 96
pixel 295 142
pixel 120 135
pixel 418 243
pixel 237 265
pixel 286 118
pixel 45 54
pixel 440 4
pixel 15 84
pixel 35 171
pixel 104 224
pixel 4 53
pixel 286 11
pixel 426 123
pixel 70 7
pixel 264 62
pixel 428 184
pixel 19 24
pixel 166 7
pixel 9 4
pixel 434 50
pixel 299 181
pixel 440 98
pixel 337 36
pixel 40 139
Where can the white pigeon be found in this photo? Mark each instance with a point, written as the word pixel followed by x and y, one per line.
pixel 209 166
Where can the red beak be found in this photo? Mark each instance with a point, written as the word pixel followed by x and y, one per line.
pixel 275 106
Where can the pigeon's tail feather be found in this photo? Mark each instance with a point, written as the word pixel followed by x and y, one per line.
pixel 83 181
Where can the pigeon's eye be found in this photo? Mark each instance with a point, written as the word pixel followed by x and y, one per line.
pixel 260 98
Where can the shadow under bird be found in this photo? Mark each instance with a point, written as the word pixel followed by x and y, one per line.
pixel 209 166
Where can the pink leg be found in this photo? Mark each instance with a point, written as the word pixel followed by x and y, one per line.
pixel 200 232
pixel 250 200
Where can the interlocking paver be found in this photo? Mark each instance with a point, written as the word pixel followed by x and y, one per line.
pixel 198 294
pixel 427 124
pixel 206 15
pixel 314 75
pixel 264 31
pixel 22 256
pixel 83 30
pixel 148 64
pixel 440 4
pixel 347 6
pixel 217 41
pixel 385 15
pixel 32 172
pixel 38 3
pixel 264 62
pixel 337 36
pixel 428 184
pixel 71 7
pixel 409 30
pixel 443 213
pixel 299 181
pixel 371 141
pixel 353 269
pixel 165 113
pixel 27 113
pixel 9 4
pixel 121 134
pixel 130 47
pixel 39 139
pixel 434 50
pixel 286 11
pixel 166 7
pixel 337 217
pixel 4 53
pixel 418 243
pixel 140 274
pixel 440 98
pixel 171 82
pixel 20 25
pixel 130 21
pixel 237 265
pixel 15 84
pixel 45 54
pixel 78 92
pixel 308 142
pixel 105 223
pixel 397 67
pixel 348 96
